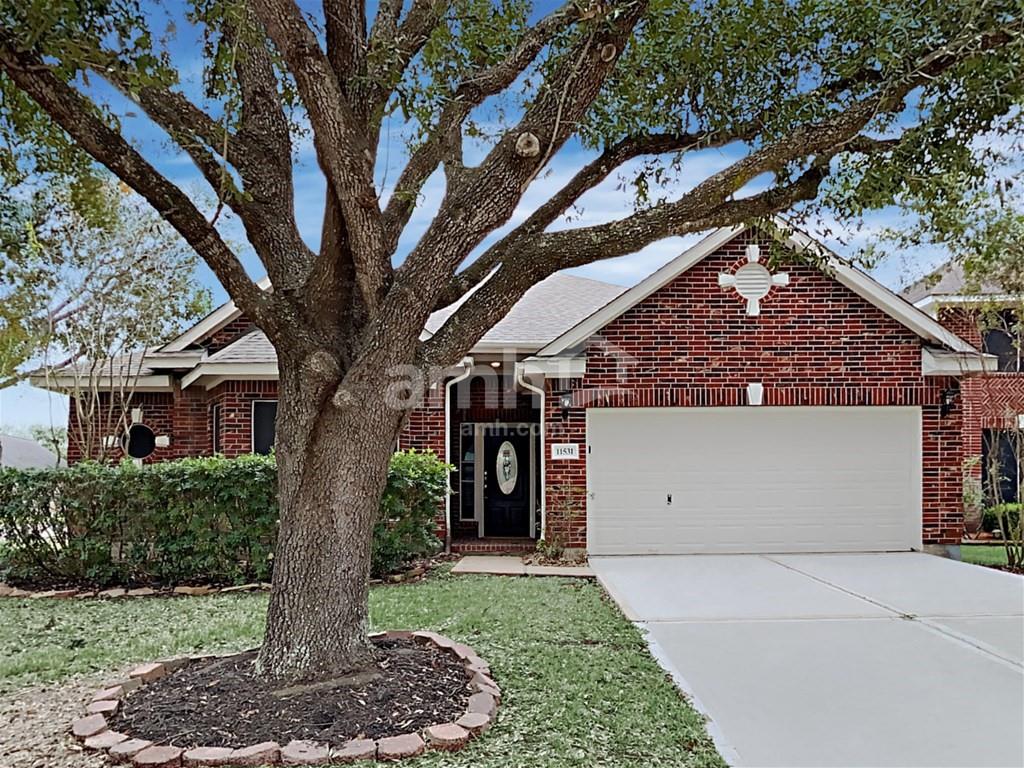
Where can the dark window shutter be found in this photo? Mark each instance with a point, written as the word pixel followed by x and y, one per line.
pixel 1000 468
pixel 216 427
pixel 1002 342
pixel 264 413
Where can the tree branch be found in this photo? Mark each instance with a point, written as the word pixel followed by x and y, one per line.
pixel 504 288
pixel 405 41
pixel 78 117
pixel 487 195
pixel 469 94
pixel 585 180
pixel 342 148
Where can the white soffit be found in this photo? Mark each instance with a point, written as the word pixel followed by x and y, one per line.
pixel 941 362
pixel 932 304
pixel 553 367
pixel 103 383
pixel 220 371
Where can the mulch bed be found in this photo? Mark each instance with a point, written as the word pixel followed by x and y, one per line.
pixel 219 702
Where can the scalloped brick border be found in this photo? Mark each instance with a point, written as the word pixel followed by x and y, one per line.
pixel 121 748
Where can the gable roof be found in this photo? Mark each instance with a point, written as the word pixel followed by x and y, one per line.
pixel 547 309
pixel 948 285
pixel 210 324
pixel 857 281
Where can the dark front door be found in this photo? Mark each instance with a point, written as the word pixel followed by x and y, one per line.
pixel 506 483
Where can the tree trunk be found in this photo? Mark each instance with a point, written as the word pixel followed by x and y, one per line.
pixel 332 468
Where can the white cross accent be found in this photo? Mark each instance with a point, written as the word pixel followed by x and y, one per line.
pixel 112 441
pixel 753 281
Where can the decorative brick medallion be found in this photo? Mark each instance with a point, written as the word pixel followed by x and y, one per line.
pixel 485 695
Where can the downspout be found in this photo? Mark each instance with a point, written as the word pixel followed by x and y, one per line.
pixel 468 363
pixel 521 379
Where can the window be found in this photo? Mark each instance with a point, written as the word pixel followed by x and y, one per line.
pixel 264 414
pixel 215 427
pixel 467 478
pixel 1001 464
pixel 1003 339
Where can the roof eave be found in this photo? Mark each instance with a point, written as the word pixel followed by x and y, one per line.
pixel 212 374
pixel 66 384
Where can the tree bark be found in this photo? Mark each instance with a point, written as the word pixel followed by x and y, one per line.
pixel 332 468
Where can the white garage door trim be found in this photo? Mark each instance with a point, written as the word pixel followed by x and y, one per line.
pixel 771 479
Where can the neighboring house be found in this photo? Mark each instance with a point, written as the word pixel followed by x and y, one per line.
pixel 739 399
pixel 24 453
pixel 993 404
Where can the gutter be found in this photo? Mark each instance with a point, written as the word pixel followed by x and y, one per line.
pixel 467 362
pixel 521 380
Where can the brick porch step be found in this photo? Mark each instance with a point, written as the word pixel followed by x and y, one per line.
pixel 493 546
pixel 514 566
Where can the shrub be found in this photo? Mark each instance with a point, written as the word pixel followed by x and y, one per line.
pixel 1002 516
pixel 192 520
pixel 406 528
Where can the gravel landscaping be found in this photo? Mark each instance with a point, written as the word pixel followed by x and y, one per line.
pixel 578 686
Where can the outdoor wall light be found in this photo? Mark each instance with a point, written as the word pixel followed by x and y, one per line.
pixel 496 364
pixel 565 402
pixel 946 400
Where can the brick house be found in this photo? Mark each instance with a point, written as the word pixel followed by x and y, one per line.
pixel 993 403
pixel 742 398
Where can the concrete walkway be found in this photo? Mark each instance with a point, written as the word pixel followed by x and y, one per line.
pixel 511 565
pixel 896 659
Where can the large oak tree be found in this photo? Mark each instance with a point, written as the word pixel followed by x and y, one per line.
pixel 859 104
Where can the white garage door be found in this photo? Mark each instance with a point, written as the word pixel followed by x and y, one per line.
pixel 684 480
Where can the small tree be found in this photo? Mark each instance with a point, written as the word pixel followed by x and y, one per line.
pixel 868 101
pixel 1003 467
pixel 85 292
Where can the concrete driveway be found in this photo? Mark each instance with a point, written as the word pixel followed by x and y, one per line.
pixel 845 660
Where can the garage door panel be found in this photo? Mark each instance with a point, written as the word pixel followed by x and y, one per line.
pixel 753 480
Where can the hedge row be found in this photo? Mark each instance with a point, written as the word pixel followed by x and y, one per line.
pixel 209 520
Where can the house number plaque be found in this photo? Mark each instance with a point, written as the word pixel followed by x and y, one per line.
pixel 565 451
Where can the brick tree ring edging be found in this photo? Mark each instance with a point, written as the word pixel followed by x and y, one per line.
pixel 92 729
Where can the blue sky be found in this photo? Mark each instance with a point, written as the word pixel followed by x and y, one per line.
pixel 24 405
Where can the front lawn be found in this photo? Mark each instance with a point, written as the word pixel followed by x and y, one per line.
pixel 579 686
pixel 983 554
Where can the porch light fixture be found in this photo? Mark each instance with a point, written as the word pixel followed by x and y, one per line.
pixel 496 364
pixel 947 399
pixel 565 402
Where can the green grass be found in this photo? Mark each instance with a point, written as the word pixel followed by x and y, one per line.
pixel 983 554
pixel 579 686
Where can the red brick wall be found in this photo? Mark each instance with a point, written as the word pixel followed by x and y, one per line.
pixel 231 332
pixel 814 343
pixel 178 415
pixel 990 401
pixel 424 431
pixel 236 399
pixel 186 417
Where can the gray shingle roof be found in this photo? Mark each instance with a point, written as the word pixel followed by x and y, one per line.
pixel 545 312
pixel 23 453
pixel 947 280
pixel 254 347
